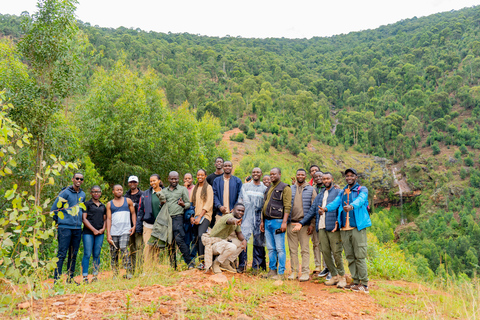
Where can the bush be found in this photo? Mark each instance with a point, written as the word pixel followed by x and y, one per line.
pixel 435 148
pixel 243 127
pixel 251 134
pixel 463 149
pixel 238 137
pixel 468 162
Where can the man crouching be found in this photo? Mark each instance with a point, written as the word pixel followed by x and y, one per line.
pixel 217 243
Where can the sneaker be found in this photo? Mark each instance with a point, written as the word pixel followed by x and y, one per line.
pixel 271 273
pixel 94 279
pixel 127 276
pixel 216 267
pixel 292 276
pixel 329 276
pixel 226 266
pixel 332 281
pixel 360 288
pixel 191 265
pixel 318 269
pixel 201 266
pixel 279 277
pixel 304 277
pixel 85 279
pixel 324 273
pixel 342 282
pixel 349 286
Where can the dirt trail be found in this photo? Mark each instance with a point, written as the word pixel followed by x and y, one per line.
pixel 240 147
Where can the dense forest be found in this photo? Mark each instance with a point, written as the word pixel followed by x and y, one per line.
pixel 144 102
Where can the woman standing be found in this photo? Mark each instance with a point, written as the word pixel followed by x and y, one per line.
pixel 202 199
pixel 93 232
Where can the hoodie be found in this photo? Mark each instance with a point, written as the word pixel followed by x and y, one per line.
pixel 73 198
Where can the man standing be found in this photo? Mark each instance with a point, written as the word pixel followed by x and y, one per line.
pixel 275 212
pixel 313 168
pixel 266 180
pixel 135 245
pixel 69 226
pixel 177 201
pixel 303 195
pixel 211 178
pixel 251 196
pixel 216 242
pixel 353 219
pixel 120 213
pixel 317 181
pixel 226 190
pixel 330 240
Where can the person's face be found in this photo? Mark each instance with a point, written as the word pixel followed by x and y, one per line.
pixel 173 179
pixel 200 176
pixel 274 175
pixel 317 178
pixel 327 180
pixel 227 167
pixel 351 178
pixel 77 180
pixel 154 182
pixel 188 179
pixel 133 185
pixel 301 177
pixel 256 174
pixel 219 164
pixel 238 212
pixel 96 193
pixel 266 181
pixel 313 170
pixel 118 192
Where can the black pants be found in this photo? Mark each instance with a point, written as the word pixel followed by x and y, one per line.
pixel 259 261
pixel 68 242
pixel 198 231
pixel 179 237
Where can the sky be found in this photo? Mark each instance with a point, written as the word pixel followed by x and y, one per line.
pixel 249 18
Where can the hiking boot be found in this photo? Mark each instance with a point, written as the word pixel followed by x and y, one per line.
pixel 342 281
pixel 279 277
pixel 216 267
pixel 271 273
pixel 360 288
pixel 324 273
pixel 226 266
pixel 292 276
pixel 304 277
pixel 332 281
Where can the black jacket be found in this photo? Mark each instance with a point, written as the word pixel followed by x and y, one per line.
pixel 145 212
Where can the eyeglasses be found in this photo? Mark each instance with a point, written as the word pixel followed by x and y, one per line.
pixel 80 179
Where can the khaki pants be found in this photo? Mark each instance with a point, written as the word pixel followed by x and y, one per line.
pixel 294 239
pixel 135 247
pixel 317 252
pixel 226 251
pixel 150 253
pixel 331 244
pixel 355 245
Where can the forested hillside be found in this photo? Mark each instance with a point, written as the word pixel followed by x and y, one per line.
pixel 408 92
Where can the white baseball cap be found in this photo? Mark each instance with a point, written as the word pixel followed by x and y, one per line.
pixel 133 178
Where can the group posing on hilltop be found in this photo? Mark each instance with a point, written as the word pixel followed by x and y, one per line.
pixel 211 222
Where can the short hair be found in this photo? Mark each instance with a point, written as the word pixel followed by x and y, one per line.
pixel 267 175
pixel 189 174
pixel 238 204
pixel 301 169
pixel 77 173
pixel 228 161
pixel 172 173
pixel 156 175
pixel 313 166
pixel 223 160
pixel 117 185
pixel 278 169
pixel 95 187
pixel 328 172
pixel 319 172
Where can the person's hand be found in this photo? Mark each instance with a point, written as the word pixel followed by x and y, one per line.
pixel 197 220
pixel 336 186
pixel 192 220
pixel 101 231
pixel 238 222
pixel 223 209
pixel 321 210
pixel 262 227
pixel 110 240
pixel 96 232
pixel 297 227
pixel 294 180
pixel 336 226
pixel 181 203
pixel 132 230
pixel 283 227
pixel 310 230
pixel 244 245
pixel 347 207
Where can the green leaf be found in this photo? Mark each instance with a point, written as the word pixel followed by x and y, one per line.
pixel 7 243
pixel 82 205
pixel 10 194
pixel 7 170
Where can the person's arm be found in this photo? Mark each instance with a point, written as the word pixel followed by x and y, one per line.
pixel 109 225
pixel 140 214
pixel 216 197
pixel 88 224
pixel 335 203
pixel 361 199
pixel 242 198
pixel 241 237
pixel 287 205
pixel 313 222
pixel 104 222
pixel 134 216
pixel 185 198
pixel 208 204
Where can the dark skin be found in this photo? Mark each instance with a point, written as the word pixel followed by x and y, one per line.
pixel 77 181
pixel 173 181
pixel 266 181
pixel 218 166
pixel 238 213
pixel 200 182
pixel 133 185
pixel 118 202
pixel 155 184
pixel 187 180
pixel 317 178
pixel 256 175
pixel 96 193
pixel 227 173
pixel 275 176
pixel 301 176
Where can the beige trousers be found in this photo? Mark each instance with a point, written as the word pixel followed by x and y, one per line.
pixel 150 253
pixel 317 252
pixel 226 250
pixel 303 239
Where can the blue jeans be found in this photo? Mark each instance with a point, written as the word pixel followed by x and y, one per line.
pixel 91 244
pixel 275 245
pixel 68 241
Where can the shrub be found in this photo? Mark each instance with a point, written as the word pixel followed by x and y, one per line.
pixel 251 134
pixel 238 137
pixel 468 162
pixel 435 148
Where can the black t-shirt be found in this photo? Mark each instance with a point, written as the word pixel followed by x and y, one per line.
pixel 135 199
pixel 94 215
pixel 212 177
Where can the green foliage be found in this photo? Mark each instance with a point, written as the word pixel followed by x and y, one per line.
pixel 240 137
pixel 251 134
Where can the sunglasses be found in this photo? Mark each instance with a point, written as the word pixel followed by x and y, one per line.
pixel 79 179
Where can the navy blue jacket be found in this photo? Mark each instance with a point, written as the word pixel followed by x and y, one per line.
pixel 73 198
pixel 330 217
pixel 235 186
pixel 145 212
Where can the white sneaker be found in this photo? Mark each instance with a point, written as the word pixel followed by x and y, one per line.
pixel 292 276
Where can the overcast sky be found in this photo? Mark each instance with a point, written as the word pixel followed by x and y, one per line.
pixel 249 18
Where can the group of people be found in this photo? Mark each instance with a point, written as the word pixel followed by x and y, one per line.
pixel 211 222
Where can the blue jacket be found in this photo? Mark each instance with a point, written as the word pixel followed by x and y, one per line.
pixel 145 212
pixel 73 198
pixel 330 217
pixel 359 201
pixel 235 186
